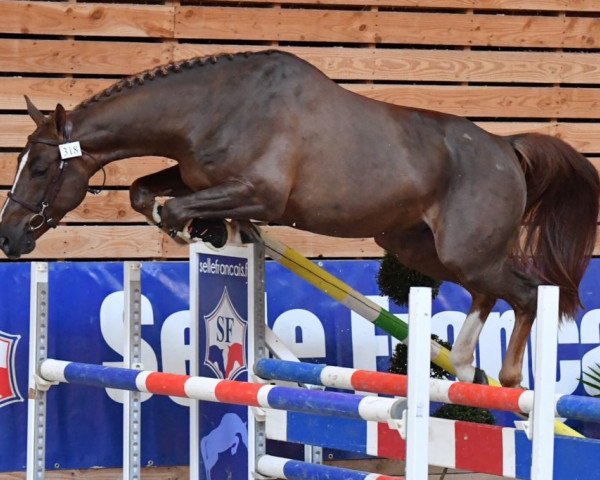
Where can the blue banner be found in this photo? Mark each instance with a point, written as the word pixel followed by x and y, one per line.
pixel 86 304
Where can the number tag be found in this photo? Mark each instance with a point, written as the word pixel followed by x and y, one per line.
pixel 70 150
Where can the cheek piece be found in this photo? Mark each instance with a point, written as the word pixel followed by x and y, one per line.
pixel 39 217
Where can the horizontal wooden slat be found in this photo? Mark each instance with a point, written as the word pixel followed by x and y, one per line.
pixel 148 242
pixel 47 92
pixel 100 242
pixel 536 5
pixel 149 473
pixel 491 101
pixel 585 137
pixel 119 174
pixel 125 58
pixel 66 18
pixel 468 101
pixel 110 206
pixel 81 57
pixel 386 27
pixel 432 65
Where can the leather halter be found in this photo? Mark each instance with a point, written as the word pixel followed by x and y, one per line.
pixel 39 218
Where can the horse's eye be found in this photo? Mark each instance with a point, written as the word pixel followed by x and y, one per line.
pixel 38 171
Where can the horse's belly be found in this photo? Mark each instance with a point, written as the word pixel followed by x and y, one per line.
pixel 348 219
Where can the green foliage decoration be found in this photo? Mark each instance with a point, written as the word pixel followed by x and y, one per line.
pixel 394 280
pixel 593 379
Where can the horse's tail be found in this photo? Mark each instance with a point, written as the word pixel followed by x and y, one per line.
pixel 561 214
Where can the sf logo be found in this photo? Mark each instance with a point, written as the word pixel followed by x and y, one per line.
pixel 225 339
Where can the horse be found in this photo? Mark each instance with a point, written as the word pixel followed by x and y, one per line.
pixel 226 436
pixel 266 136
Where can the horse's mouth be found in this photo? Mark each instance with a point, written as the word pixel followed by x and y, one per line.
pixel 14 250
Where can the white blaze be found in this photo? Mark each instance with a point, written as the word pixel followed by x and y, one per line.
pixel 22 164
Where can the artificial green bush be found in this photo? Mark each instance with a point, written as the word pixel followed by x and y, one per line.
pixel 394 280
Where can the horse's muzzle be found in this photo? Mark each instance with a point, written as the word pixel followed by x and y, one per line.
pixel 14 247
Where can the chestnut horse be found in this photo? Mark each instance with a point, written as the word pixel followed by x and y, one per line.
pixel 266 136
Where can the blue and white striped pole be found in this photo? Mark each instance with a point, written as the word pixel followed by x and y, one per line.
pixel 277 467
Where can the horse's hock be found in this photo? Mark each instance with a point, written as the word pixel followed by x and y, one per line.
pixel 513 68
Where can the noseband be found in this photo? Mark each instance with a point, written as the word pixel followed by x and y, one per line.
pixel 39 218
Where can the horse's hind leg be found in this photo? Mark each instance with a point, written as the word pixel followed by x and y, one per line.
pixel 483 266
pixel 416 249
pixel 463 350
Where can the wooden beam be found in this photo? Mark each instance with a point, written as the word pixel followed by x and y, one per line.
pixel 406 64
pixel 145 242
pixel 486 101
pixel 489 101
pixel 468 101
pixel 126 58
pixel 304 25
pixel 584 137
pixel 151 473
pixel 80 56
pixel 118 174
pixel 64 18
pixel 129 241
pixel 110 206
pixel 533 5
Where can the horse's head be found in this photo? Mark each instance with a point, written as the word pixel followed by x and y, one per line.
pixel 50 182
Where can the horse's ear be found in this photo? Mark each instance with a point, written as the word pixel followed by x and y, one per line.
pixel 37 116
pixel 60 119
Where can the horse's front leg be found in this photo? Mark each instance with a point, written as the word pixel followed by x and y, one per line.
pixel 235 199
pixel 145 190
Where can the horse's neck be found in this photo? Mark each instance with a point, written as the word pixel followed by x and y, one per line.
pixel 123 127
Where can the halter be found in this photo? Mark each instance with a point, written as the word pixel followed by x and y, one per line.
pixel 39 218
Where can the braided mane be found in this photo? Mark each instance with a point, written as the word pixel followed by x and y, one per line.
pixel 163 71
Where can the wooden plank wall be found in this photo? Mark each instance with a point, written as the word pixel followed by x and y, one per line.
pixel 510 65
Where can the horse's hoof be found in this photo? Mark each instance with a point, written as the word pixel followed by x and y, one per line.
pixel 209 231
pixel 480 377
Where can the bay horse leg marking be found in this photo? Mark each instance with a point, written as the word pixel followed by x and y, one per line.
pixel 416 249
pixel 463 350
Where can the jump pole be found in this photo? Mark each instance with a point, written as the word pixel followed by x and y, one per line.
pixel 277 467
pixel 346 405
pixel 355 301
pixel 514 400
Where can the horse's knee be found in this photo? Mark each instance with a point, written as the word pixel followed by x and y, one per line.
pixel 140 196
